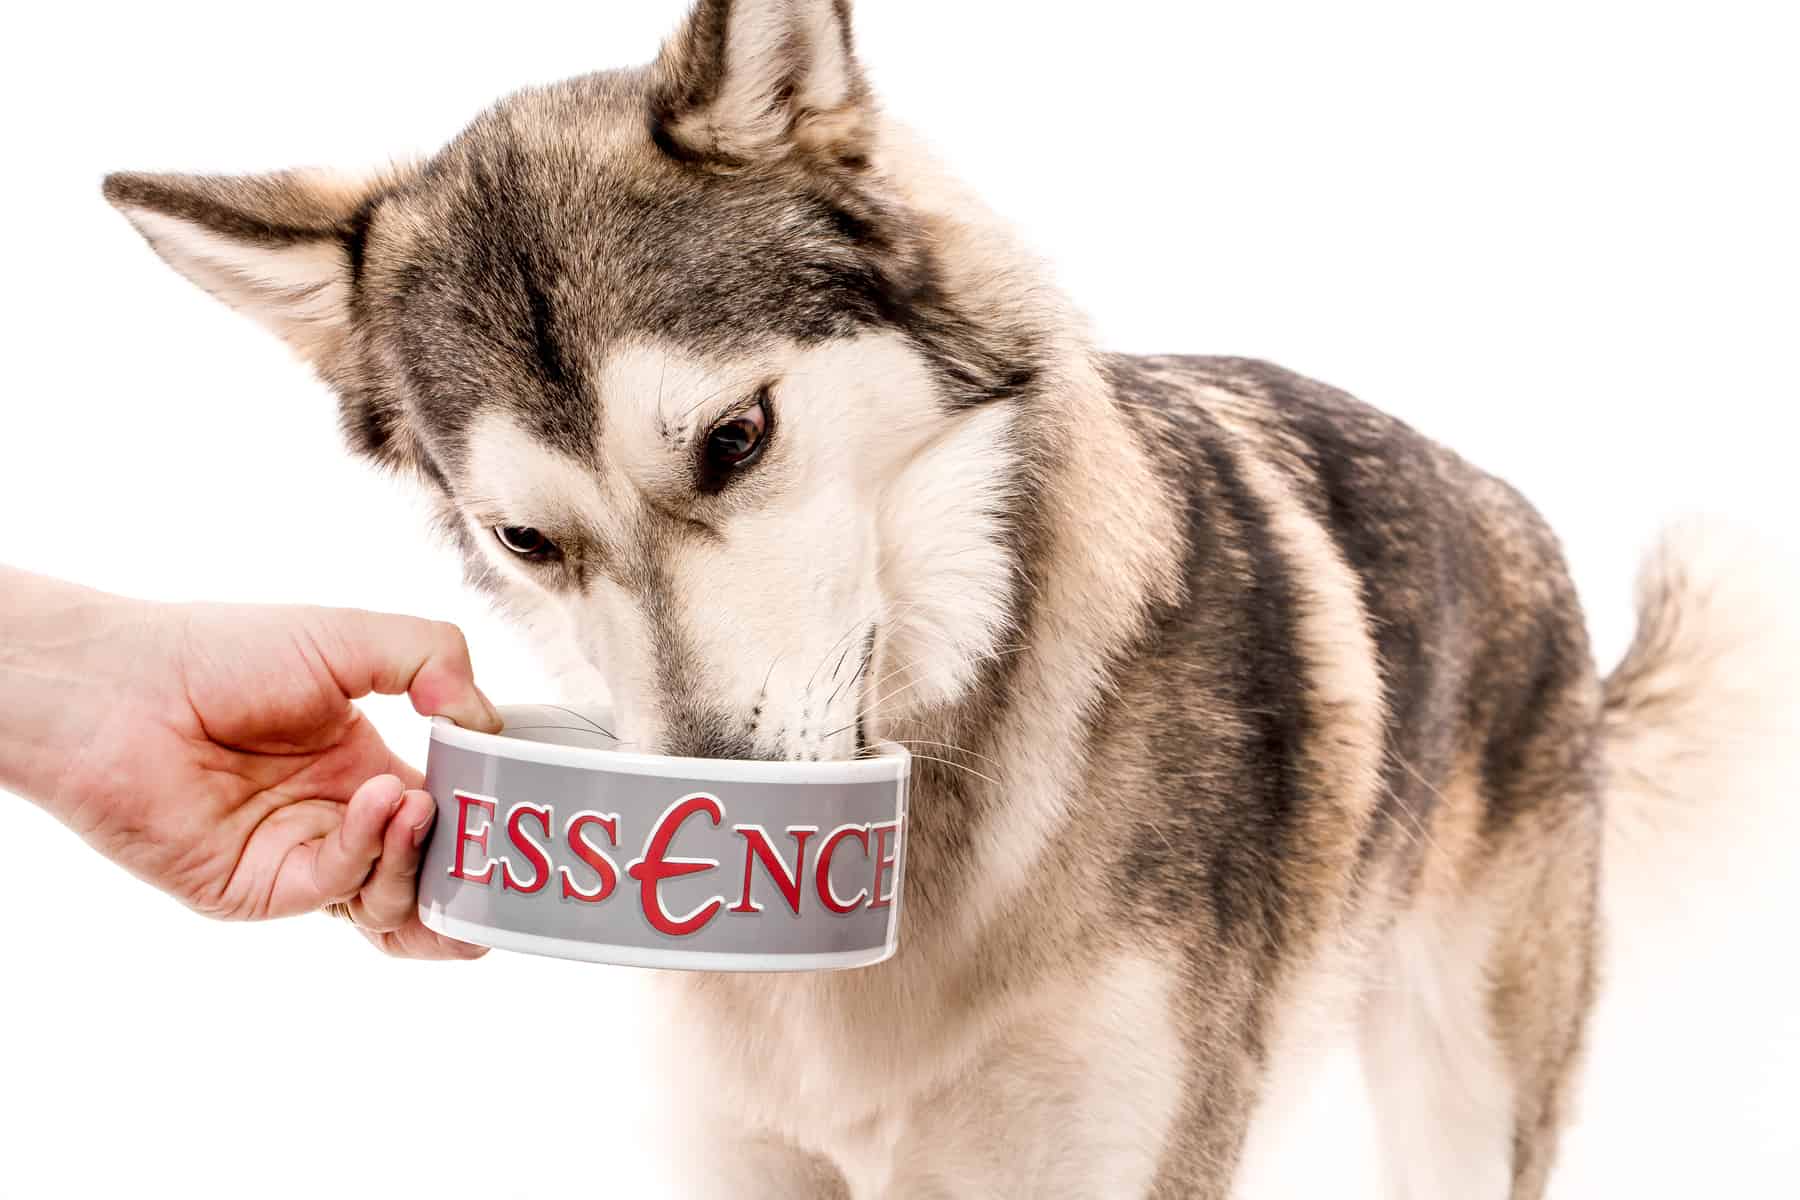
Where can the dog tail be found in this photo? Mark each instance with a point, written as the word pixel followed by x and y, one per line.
pixel 1701 718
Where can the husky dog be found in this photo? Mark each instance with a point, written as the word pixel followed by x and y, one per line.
pixel 1243 712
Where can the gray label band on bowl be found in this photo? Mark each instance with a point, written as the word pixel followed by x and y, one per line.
pixel 563 847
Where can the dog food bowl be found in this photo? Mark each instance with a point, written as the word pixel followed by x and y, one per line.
pixel 551 839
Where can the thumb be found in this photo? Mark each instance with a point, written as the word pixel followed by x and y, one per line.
pixel 427 660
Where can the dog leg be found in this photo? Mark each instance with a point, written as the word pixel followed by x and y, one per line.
pixel 1437 1077
pixel 1545 970
pixel 758 1167
pixel 1075 1100
pixel 1472 1035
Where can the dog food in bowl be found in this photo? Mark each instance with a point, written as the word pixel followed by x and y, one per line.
pixel 551 839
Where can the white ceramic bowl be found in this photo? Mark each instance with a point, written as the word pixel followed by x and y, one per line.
pixel 551 841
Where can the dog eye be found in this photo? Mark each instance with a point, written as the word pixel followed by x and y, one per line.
pixel 525 542
pixel 734 444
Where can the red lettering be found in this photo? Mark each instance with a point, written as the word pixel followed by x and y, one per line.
pixel 534 853
pixel 656 866
pixel 757 845
pixel 884 862
pixel 465 836
pixel 827 894
pixel 597 859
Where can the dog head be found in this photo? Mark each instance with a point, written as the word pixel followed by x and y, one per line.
pixel 702 386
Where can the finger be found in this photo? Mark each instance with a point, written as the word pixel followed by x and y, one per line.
pixel 427 660
pixel 390 896
pixel 334 866
pixel 413 940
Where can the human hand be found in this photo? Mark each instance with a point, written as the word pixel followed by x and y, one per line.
pixel 215 750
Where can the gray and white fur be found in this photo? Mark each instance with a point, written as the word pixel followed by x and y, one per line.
pixel 1245 714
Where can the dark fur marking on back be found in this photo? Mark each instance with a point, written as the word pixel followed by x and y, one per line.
pixel 1229 822
pixel 1246 880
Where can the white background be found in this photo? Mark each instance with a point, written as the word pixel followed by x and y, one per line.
pixel 1561 238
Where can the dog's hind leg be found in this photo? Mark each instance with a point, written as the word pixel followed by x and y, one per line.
pixel 1545 974
pixel 1472 1034
pixel 1436 1074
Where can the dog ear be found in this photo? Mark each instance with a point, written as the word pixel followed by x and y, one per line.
pixel 753 81
pixel 281 248
pixel 286 249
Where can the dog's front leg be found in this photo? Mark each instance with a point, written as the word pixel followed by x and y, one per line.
pixel 752 1166
pixel 1078 1098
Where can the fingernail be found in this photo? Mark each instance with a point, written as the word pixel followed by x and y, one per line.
pixel 422 829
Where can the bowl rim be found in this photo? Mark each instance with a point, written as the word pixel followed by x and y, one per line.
pixel 663 958
pixel 893 763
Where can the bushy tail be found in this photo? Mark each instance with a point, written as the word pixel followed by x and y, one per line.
pixel 1702 719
